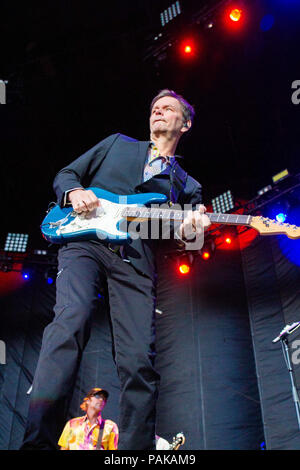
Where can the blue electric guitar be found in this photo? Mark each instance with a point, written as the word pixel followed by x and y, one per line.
pixel 109 221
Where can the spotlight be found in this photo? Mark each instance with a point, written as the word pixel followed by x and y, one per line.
pixel 208 250
pixel 280 176
pixel 40 252
pixel 227 239
pixel 188 49
pixel 16 242
pixel 264 190
pixel 223 203
pixel 235 14
pixel 184 264
pixel 279 210
pixel 291 248
pixel 170 13
pixel 281 217
pixel 50 275
pixel 234 18
pixel 27 272
pixel 184 268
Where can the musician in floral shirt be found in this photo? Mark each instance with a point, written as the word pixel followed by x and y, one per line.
pixel 82 433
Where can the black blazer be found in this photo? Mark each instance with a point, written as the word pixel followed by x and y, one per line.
pixel 117 165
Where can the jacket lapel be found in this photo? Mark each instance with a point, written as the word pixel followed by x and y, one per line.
pixel 142 157
pixel 143 150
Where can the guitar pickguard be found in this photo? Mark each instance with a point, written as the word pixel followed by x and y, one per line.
pixel 103 219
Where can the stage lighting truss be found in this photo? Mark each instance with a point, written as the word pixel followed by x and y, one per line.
pixel 286 187
pixel 165 33
pixel 281 200
pixel 16 242
pixel 223 203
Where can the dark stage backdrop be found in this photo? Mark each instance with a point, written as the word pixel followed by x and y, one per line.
pixel 273 289
pixel 223 382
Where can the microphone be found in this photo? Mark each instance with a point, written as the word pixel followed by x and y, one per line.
pixel 287 330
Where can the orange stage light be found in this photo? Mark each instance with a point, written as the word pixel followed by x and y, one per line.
pixel 235 14
pixel 184 269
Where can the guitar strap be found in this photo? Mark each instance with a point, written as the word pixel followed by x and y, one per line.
pixel 178 178
pixel 99 442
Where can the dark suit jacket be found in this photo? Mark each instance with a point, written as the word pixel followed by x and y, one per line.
pixel 116 164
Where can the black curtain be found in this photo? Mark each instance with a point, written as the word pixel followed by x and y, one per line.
pixel 273 288
pixel 205 355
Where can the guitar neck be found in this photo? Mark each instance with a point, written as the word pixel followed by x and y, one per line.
pixel 230 219
pixel 147 213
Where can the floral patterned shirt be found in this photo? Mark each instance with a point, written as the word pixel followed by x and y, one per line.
pixel 78 434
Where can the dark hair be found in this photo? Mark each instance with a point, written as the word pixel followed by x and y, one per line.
pixel 187 109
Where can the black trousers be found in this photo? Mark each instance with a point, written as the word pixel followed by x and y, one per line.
pixel 132 309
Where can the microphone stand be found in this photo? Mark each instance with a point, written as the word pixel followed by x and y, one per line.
pixel 285 350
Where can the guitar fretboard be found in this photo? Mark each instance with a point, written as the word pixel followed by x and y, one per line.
pixel 169 214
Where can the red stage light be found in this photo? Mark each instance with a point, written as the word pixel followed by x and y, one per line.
pixel 184 269
pixel 187 49
pixel 235 19
pixel 205 255
pixel 235 14
pixel 228 240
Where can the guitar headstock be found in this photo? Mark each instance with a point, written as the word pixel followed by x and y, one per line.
pixel 178 441
pixel 267 226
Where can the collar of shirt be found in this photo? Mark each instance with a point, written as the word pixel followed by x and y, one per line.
pixel 86 419
pixel 154 155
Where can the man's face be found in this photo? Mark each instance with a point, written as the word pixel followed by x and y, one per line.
pixel 97 402
pixel 167 118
